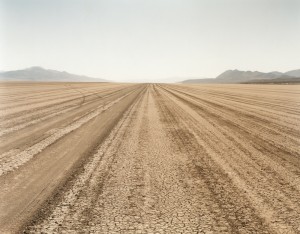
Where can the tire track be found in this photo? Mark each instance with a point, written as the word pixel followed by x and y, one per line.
pixel 27 120
pixel 99 162
pixel 21 118
pixel 42 129
pixel 8 164
pixel 26 189
pixel 275 210
pixel 173 159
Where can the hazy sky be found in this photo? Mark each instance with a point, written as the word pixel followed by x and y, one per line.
pixel 141 40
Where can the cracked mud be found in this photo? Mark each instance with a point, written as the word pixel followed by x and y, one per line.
pixel 149 158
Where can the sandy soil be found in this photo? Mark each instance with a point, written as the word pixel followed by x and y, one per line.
pixel 149 158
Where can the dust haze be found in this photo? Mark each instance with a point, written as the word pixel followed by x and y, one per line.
pixel 150 116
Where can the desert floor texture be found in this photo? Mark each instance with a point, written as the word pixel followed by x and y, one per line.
pixel 149 158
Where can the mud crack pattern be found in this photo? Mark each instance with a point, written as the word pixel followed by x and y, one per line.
pixel 151 159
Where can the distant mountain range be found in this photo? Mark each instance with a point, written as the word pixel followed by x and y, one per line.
pixel 45 75
pixel 236 76
pixel 230 76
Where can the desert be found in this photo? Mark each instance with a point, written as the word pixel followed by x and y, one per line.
pixel 149 158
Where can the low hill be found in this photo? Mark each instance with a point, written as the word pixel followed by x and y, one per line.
pixel 293 80
pixel 294 73
pixel 45 75
pixel 236 76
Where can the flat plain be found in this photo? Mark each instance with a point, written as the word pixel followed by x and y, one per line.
pixel 149 158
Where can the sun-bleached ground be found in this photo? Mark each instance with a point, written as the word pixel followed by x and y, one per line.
pixel 149 158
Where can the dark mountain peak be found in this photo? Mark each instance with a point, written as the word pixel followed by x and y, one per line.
pixel 230 71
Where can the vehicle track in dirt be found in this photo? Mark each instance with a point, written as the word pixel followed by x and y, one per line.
pixel 30 172
pixel 152 158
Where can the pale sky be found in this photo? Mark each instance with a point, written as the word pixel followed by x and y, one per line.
pixel 150 40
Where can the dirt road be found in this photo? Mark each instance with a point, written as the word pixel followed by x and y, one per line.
pixel 149 158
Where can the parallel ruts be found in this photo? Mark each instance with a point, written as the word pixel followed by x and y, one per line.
pixel 179 158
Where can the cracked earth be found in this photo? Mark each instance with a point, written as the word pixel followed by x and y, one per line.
pixel 149 158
